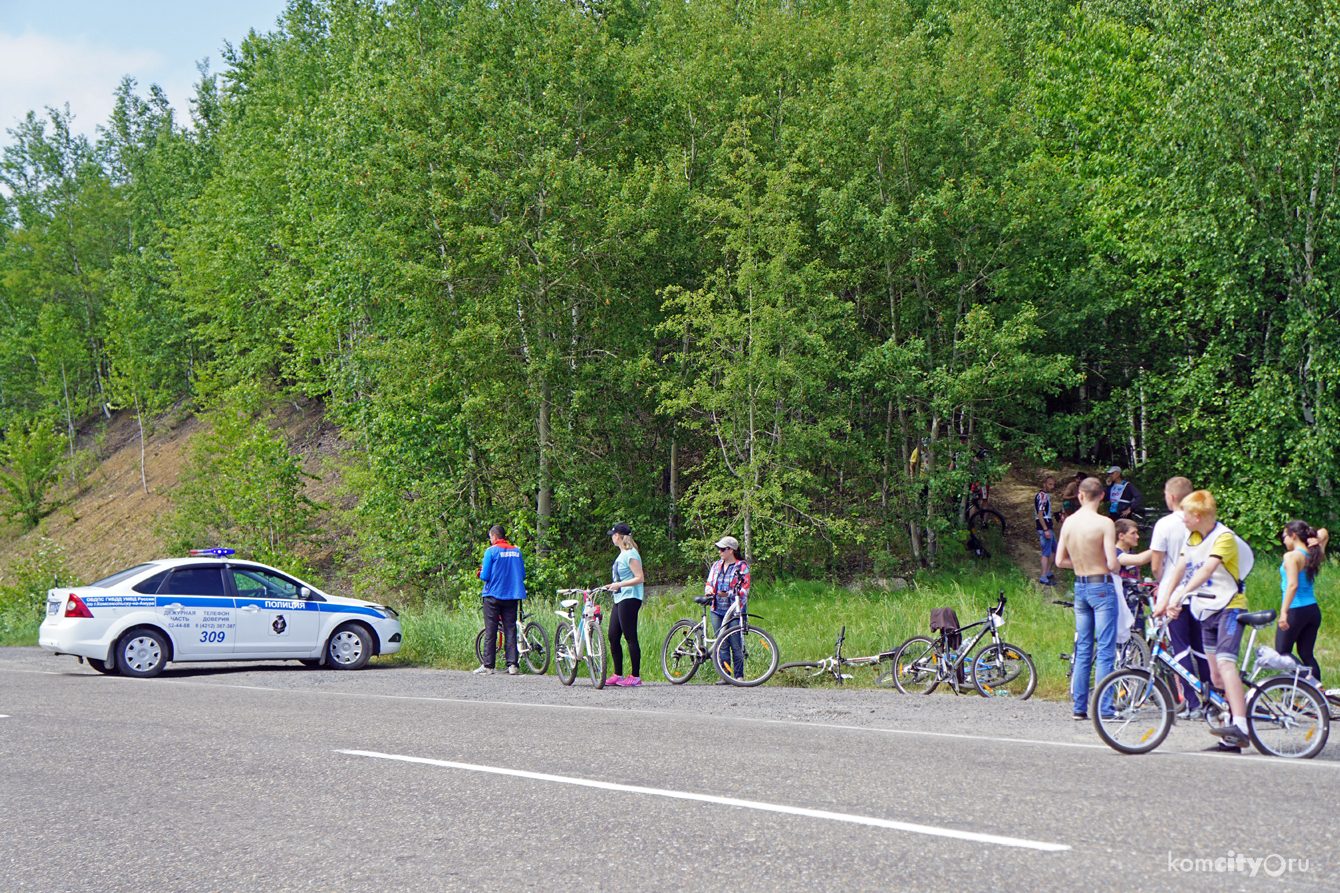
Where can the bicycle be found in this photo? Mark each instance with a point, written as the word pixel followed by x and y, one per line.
pixel 1000 670
pixel 1134 652
pixel 688 645
pixel 800 672
pixel 578 637
pixel 982 519
pixel 1287 716
pixel 532 642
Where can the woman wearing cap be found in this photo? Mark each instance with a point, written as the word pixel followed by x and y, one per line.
pixel 728 575
pixel 627 589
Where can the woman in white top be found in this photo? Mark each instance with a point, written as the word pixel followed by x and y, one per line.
pixel 627 589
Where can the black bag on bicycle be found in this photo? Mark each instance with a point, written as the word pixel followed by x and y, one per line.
pixel 945 622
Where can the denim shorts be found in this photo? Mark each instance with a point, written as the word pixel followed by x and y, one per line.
pixel 1221 634
pixel 1047 543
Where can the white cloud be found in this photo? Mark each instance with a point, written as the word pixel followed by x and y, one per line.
pixel 38 71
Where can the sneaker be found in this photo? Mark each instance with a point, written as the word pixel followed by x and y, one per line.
pixel 512 670
pixel 1079 717
pixel 721 682
pixel 1197 715
pixel 482 670
pixel 630 682
pixel 1221 747
pixel 1231 736
pixel 614 680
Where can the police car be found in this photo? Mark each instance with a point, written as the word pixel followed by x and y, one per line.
pixel 211 606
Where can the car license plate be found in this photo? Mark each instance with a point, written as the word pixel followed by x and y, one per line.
pixel 52 608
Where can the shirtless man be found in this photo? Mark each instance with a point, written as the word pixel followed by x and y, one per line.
pixel 1088 545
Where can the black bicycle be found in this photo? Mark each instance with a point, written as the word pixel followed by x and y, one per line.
pixel 982 519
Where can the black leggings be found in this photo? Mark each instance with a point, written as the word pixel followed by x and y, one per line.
pixel 1304 623
pixel 623 622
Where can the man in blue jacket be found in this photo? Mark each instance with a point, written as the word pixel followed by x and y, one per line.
pixel 504 574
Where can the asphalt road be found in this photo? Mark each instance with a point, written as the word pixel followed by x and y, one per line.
pixel 273 777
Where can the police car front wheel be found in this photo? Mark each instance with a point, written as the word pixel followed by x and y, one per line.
pixel 349 648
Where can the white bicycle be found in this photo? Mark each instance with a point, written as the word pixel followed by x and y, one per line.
pixel 579 637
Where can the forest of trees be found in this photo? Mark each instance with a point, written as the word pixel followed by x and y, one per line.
pixel 705 267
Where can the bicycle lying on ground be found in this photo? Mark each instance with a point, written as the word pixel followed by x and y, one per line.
pixel 1287 716
pixel 688 645
pixel 799 672
pixel 579 637
pixel 532 642
pixel 1000 670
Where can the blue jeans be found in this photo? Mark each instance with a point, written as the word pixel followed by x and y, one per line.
pixel 733 646
pixel 1095 620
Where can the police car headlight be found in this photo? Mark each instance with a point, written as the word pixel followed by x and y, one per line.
pixel 388 612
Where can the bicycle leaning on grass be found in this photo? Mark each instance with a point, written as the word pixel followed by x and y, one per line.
pixel 579 637
pixel 689 645
pixel 532 642
pixel 1000 670
pixel 1287 715
pixel 832 666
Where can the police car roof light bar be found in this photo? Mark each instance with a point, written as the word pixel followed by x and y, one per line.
pixel 217 553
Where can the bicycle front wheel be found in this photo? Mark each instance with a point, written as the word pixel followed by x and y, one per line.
pixel 1141 712
pixel 915 668
pixel 1287 718
pixel 800 673
pixel 987 521
pixel 746 658
pixel 1004 671
pixel 565 653
pixel 537 648
pixel 681 655
pixel 596 654
pixel 1134 653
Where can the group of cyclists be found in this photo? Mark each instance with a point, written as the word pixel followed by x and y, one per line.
pixel 1199 565
pixel 503 573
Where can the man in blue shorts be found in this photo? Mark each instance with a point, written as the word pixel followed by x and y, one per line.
pixel 1042 516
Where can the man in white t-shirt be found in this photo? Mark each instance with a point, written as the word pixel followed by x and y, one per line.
pixel 1169 537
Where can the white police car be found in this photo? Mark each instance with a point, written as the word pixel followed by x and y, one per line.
pixel 212 607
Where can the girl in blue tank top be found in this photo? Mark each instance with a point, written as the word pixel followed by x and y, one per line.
pixel 1300 615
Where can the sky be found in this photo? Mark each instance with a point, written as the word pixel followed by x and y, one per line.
pixel 54 52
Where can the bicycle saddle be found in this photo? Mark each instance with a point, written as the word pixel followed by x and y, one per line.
pixel 703 599
pixel 1258 618
pixel 568 602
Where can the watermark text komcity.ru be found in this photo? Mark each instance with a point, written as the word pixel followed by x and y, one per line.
pixel 1273 865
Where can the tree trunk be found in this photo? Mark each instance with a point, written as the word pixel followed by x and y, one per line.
pixel 544 498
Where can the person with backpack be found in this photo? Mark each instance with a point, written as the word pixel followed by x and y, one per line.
pixel 1209 572
pixel 1300 615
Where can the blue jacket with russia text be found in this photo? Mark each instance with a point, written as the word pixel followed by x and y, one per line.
pixel 503 572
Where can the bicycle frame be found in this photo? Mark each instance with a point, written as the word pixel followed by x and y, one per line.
pixel 580 623
pixel 945 667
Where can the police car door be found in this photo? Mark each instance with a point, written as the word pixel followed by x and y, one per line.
pixel 273 615
pixel 197 612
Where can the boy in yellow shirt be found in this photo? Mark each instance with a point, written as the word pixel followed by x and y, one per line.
pixel 1207 573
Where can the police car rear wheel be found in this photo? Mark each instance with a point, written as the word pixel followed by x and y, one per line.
pixel 142 653
pixel 349 648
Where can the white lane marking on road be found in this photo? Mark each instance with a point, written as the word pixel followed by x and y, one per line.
pixel 932 830
pixel 4 716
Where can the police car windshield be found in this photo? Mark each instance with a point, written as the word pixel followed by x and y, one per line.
pixel 123 576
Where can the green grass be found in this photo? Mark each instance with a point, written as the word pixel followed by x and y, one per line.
pixel 805 618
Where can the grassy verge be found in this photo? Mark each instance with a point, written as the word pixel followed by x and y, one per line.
pixel 805 618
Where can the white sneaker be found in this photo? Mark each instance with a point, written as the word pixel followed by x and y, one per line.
pixel 511 670
pixel 482 670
